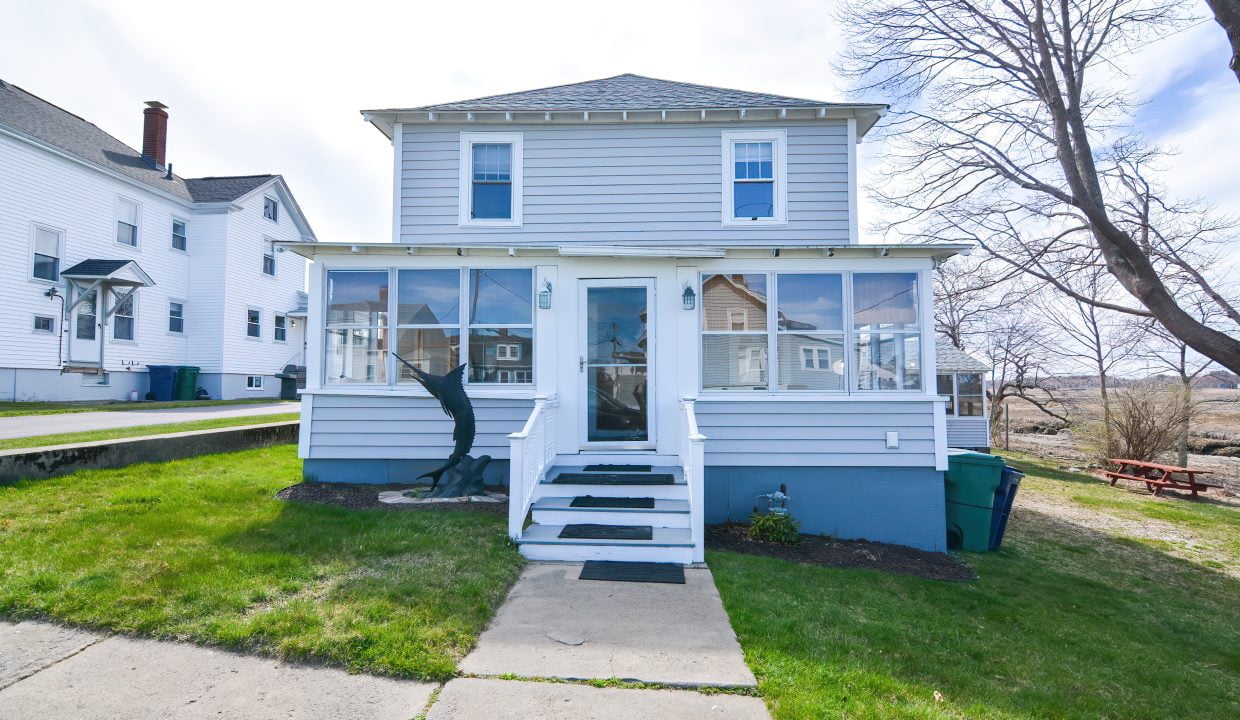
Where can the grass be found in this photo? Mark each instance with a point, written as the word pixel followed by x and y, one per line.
pixel 200 550
pixel 1062 622
pixel 11 409
pixel 140 430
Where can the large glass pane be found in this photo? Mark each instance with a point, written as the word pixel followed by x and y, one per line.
pixel 501 297
pixel 811 362
pixel 753 199
pixel 86 318
pixel 501 355
pixel 969 388
pixel 887 361
pixel 357 297
pixel 46 267
pixel 431 350
pixel 884 301
pixel 811 302
pixel 944 387
pixel 492 201
pixel 356 355
pixel 123 320
pixel 616 325
pixel 428 297
pixel 616 404
pixel 734 362
pixel 735 303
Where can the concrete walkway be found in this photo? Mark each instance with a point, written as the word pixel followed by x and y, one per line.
pixel 47 671
pixel 31 425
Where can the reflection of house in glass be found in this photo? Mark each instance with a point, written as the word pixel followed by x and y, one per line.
pixel 734 306
pixel 357 333
pixel 434 350
pixel 501 355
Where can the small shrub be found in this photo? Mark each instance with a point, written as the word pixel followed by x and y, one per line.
pixel 774 528
pixel 1147 421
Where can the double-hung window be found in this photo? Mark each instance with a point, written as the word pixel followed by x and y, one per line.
pixel 810 329
pixel 176 317
pixel 755 185
pixel 46 254
pixel 501 325
pixel 734 332
pixel 269 258
pixel 356 343
pixel 491 179
pixel 124 319
pixel 271 209
pixel 280 329
pixel 127 222
pixel 179 237
pixel 887 331
pixel 254 323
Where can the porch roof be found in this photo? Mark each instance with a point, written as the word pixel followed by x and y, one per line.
pixel 112 272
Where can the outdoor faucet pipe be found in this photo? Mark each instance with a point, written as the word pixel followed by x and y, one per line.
pixel 60 336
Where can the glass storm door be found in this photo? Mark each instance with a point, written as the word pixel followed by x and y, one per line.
pixel 614 364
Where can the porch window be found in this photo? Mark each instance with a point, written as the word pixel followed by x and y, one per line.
pixel 490 190
pixel 501 326
pixel 734 332
pixel 127 222
pixel 46 254
pixel 946 385
pixel 86 317
pixel 123 319
pixel 810 329
pixel 887 341
pixel 428 319
pixel 755 177
pixel 965 394
pixel 355 346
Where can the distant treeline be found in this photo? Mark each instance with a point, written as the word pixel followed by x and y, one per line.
pixel 1217 380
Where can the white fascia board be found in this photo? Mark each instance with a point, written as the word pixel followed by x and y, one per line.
pixel 651 251
pixel 921 250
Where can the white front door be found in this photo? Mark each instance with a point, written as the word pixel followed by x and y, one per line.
pixel 615 350
pixel 84 329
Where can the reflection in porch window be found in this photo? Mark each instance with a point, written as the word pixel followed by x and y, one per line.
pixel 734 338
pixel 432 350
pixel 888 341
pixel 501 326
pixel 355 344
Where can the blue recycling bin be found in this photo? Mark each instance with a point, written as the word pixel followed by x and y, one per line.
pixel 163 379
pixel 1005 495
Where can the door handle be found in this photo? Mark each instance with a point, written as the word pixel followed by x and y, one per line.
pixel 581 364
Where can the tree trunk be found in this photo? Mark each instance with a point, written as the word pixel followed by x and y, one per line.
pixel 1227 14
pixel 1186 412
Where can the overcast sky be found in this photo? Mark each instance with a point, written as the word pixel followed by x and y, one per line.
pixel 258 87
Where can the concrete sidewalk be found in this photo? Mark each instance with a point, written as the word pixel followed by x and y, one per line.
pixel 48 671
pixel 30 425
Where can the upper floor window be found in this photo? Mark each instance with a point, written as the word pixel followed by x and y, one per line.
pixel 179 238
pixel 123 319
pixel 127 222
pixel 176 317
pixel 755 187
pixel 490 192
pixel 47 250
pixel 253 323
pixel 271 209
pixel 269 258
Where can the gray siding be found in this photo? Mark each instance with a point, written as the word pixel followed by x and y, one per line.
pixel 625 184
pixel 406 428
pixel 808 434
pixel 967 432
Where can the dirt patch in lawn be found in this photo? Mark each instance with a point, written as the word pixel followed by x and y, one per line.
pixel 363 496
pixel 832 552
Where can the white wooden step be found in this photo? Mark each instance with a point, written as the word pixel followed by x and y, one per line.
pixel 559 511
pixel 676 491
pixel 542 542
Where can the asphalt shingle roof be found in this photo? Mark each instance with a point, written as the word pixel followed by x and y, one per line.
pixel 225 189
pixel 626 92
pixel 95 268
pixel 949 358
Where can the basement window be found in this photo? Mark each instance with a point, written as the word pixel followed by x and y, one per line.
pixel 44 324
pixel 253 382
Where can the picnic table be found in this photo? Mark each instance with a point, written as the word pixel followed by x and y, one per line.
pixel 1158 477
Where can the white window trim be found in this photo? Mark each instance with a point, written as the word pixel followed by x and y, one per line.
pixel 137 232
pixel 170 331
pixel 246 328
pixel 116 314
pixel 817 352
pixel 276 201
pixel 60 252
pixel 274 317
pixel 512 352
pixel 465 172
pixel 171 225
pixel 268 244
pixel 37 331
pixel 779 157
pixel 254 388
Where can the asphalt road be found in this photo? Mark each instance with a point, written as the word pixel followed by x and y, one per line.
pixel 31 425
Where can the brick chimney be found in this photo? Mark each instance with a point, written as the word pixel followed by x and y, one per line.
pixel 155 133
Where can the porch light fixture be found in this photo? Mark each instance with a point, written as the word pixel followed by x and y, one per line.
pixel 544 296
pixel 689 298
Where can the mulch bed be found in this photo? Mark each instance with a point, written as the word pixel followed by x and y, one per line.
pixel 366 497
pixel 831 552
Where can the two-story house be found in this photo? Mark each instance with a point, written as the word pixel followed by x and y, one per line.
pixel 111 262
pixel 659 293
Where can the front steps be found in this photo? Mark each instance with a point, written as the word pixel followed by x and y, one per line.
pixel 671 539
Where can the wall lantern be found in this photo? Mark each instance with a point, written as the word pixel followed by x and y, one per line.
pixel 544 296
pixel 689 298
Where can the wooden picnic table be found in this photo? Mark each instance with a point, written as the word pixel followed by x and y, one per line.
pixel 1158 477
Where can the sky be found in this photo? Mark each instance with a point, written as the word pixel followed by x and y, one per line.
pixel 276 87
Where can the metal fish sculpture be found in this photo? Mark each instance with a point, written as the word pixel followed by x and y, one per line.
pixel 449 390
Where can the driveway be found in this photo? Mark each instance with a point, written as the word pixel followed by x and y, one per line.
pixel 31 425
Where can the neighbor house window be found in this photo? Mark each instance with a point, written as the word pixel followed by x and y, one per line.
pixel 886 326
pixel 965 394
pixel 179 238
pixel 490 192
pixel 280 328
pixel 123 319
pixel 127 222
pixel 754 177
pixel 86 317
pixel 271 209
pixel 44 324
pixel 47 249
pixel 253 382
pixel 810 329
pixel 269 258
pixel 355 349
pixel 253 323
pixel 428 321
pixel 176 317
pixel 946 386
pixel 501 325
pixel 734 332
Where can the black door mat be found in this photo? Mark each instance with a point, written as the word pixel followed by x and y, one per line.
pixel 589 501
pixel 617 468
pixel 587 531
pixel 648 572
pixel 613 479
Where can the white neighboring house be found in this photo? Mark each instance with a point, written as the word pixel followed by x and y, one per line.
pixel 111 263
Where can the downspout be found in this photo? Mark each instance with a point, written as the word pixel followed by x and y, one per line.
pixel 60 335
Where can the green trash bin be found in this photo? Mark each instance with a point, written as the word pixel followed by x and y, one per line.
pixel 186 382
pixel 972 479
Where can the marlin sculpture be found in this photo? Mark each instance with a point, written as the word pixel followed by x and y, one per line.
pixel 449 390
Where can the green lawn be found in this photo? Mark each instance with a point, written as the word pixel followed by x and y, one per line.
pixel 1063 622
pixel 124 432
pixel 198 549
pixel 10 409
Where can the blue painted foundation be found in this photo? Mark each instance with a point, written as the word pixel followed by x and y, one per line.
pixel 387 472
pixel 888 504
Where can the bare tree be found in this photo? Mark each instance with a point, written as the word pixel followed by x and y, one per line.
pixel 1006 139
pixel 1017 350
pixel 1166 352
pixel 968 292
